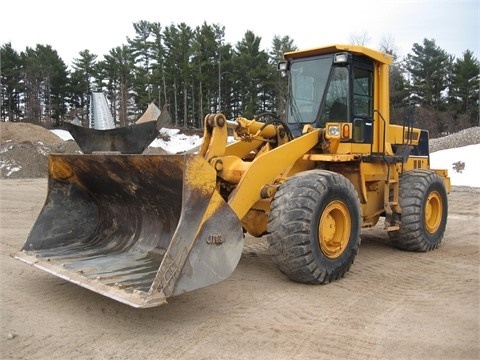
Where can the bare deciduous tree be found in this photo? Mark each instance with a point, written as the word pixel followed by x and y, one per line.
pixel 360 39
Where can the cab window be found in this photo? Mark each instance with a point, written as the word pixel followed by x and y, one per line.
pixel 336 106
pixel 362 92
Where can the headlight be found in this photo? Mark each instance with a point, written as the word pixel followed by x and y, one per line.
pixel 341 58
pixel 333 130
pixel 283 66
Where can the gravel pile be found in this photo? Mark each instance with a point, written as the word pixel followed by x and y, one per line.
pixel 470 136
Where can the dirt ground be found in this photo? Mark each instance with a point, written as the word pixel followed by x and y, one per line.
pixel 391 305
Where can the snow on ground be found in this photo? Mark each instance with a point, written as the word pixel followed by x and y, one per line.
pixel 444 159
pixel 62 134
pixel 178 142
pixel 469 155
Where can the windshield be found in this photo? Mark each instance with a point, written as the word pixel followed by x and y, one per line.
pixel 308 79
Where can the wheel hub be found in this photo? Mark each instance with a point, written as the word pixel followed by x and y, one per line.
pixel 433 212
pixel 334 229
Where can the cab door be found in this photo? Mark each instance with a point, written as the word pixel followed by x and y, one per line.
pixel 362 94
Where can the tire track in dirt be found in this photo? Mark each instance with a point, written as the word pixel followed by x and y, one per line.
pixel 392 304
pixel 384 275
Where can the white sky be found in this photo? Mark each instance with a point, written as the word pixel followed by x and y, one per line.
pixel 443 159
pixel 70 27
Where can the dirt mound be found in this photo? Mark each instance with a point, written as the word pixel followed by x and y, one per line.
pixel 20 132
pixel 22 160
pixel 25 147
pixel 30 160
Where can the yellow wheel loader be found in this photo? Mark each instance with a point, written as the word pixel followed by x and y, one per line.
pixel 143 228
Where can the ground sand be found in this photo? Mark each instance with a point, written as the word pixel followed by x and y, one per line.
pixel 391 305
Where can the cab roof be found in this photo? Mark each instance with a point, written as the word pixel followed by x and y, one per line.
pixel 331 49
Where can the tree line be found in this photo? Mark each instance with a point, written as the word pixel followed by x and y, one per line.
pixel 196 72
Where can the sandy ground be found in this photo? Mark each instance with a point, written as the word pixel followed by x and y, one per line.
pixel 391 305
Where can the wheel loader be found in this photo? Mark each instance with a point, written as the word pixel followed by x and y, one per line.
pixel 141 229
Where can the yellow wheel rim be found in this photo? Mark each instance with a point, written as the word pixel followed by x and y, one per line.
pixel 334 229
pixel 433 212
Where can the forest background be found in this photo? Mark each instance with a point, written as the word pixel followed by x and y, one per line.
pixel 196 72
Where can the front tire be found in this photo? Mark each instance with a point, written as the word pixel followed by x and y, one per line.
pixel 314 226
pixel 423 199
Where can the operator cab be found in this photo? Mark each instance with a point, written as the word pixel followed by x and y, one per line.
pixel 334 87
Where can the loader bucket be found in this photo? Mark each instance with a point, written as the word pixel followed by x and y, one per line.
pixel 135 228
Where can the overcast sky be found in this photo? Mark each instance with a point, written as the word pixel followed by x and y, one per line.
pixel 70 27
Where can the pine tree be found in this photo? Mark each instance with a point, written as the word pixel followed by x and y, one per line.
pixel 82 82
pixel 280 45
pixel 464 92
pixel 429 68
pixel 252 63
pixel 45 77
pixel 117 71
pixel 11 84
pixel 142 50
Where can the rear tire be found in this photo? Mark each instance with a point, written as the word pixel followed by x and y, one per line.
pixel 314 226
pixel 423 199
